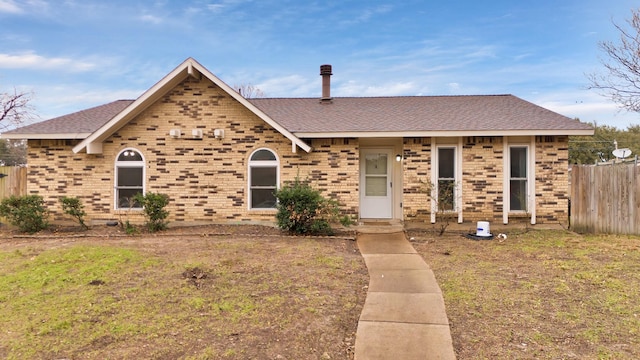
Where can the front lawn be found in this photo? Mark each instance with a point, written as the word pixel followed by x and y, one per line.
pixel 539 294
pixel 181 296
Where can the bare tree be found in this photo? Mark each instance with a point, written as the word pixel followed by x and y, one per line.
pixel 249 91
pixel 15 109
pixel 621 80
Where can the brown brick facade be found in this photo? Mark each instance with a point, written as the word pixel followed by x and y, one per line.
pixel 206 179
pixel 483 178
pixel 552 179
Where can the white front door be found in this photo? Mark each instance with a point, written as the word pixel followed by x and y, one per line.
pixel 375 183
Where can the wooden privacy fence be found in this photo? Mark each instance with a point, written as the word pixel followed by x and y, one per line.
pixel 13 181
pixel 606 199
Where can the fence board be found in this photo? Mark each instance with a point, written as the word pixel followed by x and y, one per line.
pixel 14 181
pixel 606 199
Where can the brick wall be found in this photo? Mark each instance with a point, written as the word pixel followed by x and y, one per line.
pixel 416 178
pixel 482 179
pixel 205 179
pixel 552 179
pixel 482 171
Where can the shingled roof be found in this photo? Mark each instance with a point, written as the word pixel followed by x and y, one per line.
pixel 299 118
pixel 77 125
pixel 309 117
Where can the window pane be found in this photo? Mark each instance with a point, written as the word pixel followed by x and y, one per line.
pixel 375 186
pixel 518 162
pixel 263 176
pixel 125 198
pixel 446 194
pixel 518 194
pixel 262 155
pixel 129 176
pixel 263 198
pixel 376 164
pixel 446 163
pixel 130 155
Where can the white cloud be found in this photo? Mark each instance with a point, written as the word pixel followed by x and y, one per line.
pixel 34 61
pixel 588 107
pixel 216 8
pixel 9 6
pixel 151 19
pixel 290 85
pixel 358 89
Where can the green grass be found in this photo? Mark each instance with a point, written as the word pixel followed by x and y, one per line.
pixel 47 298
pixel 92 301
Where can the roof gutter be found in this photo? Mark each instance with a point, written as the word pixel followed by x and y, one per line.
pixel 438 133
pixel 19 136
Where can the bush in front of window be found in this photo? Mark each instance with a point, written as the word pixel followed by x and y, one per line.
pixel 154 205
pixel 26 212
pixel 73 207
pixel 303 210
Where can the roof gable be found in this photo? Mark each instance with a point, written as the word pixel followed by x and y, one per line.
pixel 190 67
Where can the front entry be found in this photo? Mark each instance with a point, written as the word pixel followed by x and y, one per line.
pixel 375 183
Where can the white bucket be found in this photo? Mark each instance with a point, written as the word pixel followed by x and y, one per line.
pixel 483 229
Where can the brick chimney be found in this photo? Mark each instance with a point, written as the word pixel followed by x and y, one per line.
pixel 325 72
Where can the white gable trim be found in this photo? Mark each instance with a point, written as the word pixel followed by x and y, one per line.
pixel 189 67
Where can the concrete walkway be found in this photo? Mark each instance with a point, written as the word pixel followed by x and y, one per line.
pixel 403 315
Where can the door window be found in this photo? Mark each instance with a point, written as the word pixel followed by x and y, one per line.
pixel 376 174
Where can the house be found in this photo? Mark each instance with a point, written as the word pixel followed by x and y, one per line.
pixel 220 156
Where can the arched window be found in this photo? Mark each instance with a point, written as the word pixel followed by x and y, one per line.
pixel 263 179
pixel 130 171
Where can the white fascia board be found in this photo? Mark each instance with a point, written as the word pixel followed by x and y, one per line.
pixel 396 134
pixel 75 136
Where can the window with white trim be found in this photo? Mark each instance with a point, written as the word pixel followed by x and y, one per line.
pixel 263 179
pixel 446 178
pixel 129 180
pixel 518 178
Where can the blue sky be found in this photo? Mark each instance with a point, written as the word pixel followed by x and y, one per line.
pixel 74 54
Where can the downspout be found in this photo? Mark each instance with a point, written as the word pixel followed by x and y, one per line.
pixel 434 180
pixel 532 182
pixel 459 176
pixel 505 180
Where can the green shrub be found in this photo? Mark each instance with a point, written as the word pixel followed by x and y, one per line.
pixel 26 212
pixel 73 207
pixel 303 210
pixel 154 210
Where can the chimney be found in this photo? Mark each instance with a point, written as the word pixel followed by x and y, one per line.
pixel 325 72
